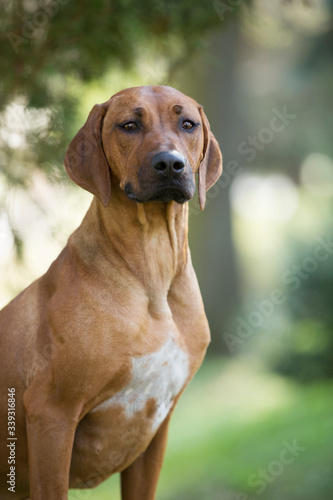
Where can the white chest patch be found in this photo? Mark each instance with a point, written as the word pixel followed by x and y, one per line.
pixel 160 375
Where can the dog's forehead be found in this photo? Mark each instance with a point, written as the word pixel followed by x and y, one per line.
pixel 137 100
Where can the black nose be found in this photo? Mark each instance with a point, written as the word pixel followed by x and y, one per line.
pixel 169 163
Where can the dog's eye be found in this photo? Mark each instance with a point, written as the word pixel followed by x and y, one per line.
pixel 187 124
pixel 129 126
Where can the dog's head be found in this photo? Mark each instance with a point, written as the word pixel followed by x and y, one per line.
pixel 151 141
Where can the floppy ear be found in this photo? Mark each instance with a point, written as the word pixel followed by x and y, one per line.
pixel 210 167
pixel 85 160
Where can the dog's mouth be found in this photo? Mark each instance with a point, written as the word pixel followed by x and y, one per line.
pixel 166 194
pixel 170 194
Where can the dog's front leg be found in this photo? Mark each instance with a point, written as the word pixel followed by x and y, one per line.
pixel 139 480
pixel 50 429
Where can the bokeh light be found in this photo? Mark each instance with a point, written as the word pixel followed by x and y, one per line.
pixel 264 198
pixel 317 174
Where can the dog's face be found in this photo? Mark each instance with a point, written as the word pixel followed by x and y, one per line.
pixel 154 140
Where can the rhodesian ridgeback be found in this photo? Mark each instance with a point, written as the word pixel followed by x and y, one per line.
pixel 96 352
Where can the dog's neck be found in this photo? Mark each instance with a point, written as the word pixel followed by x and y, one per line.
pixel 150 237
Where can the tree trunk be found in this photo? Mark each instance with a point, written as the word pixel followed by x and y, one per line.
pixel 213 253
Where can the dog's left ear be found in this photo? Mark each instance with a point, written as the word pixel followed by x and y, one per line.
pixel 210 167
pixel 85 160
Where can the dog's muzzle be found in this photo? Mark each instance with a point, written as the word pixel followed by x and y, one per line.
pixel 164 178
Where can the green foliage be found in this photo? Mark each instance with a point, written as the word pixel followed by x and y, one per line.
pixel 61 37
pixel 51 48
pixel 309 354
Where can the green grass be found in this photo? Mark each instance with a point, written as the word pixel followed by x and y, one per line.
pixel 234 420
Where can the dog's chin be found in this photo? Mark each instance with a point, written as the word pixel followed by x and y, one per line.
pixel 165 195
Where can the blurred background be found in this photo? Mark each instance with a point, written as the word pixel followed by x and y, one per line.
pixel 256 422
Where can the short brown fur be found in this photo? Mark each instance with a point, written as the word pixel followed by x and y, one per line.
pixel 120 288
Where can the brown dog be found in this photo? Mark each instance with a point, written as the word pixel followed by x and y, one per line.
pixel 95 353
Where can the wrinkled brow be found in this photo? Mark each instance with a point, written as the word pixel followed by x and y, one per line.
pixel 177 108
pixel 138 111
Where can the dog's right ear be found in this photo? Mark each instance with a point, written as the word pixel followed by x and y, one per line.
pixel 85 160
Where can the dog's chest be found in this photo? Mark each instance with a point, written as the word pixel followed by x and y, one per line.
pixel 157 377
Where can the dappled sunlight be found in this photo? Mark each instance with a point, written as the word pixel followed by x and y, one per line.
pixel 263 241
pixel 16 121
pixel 45 217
